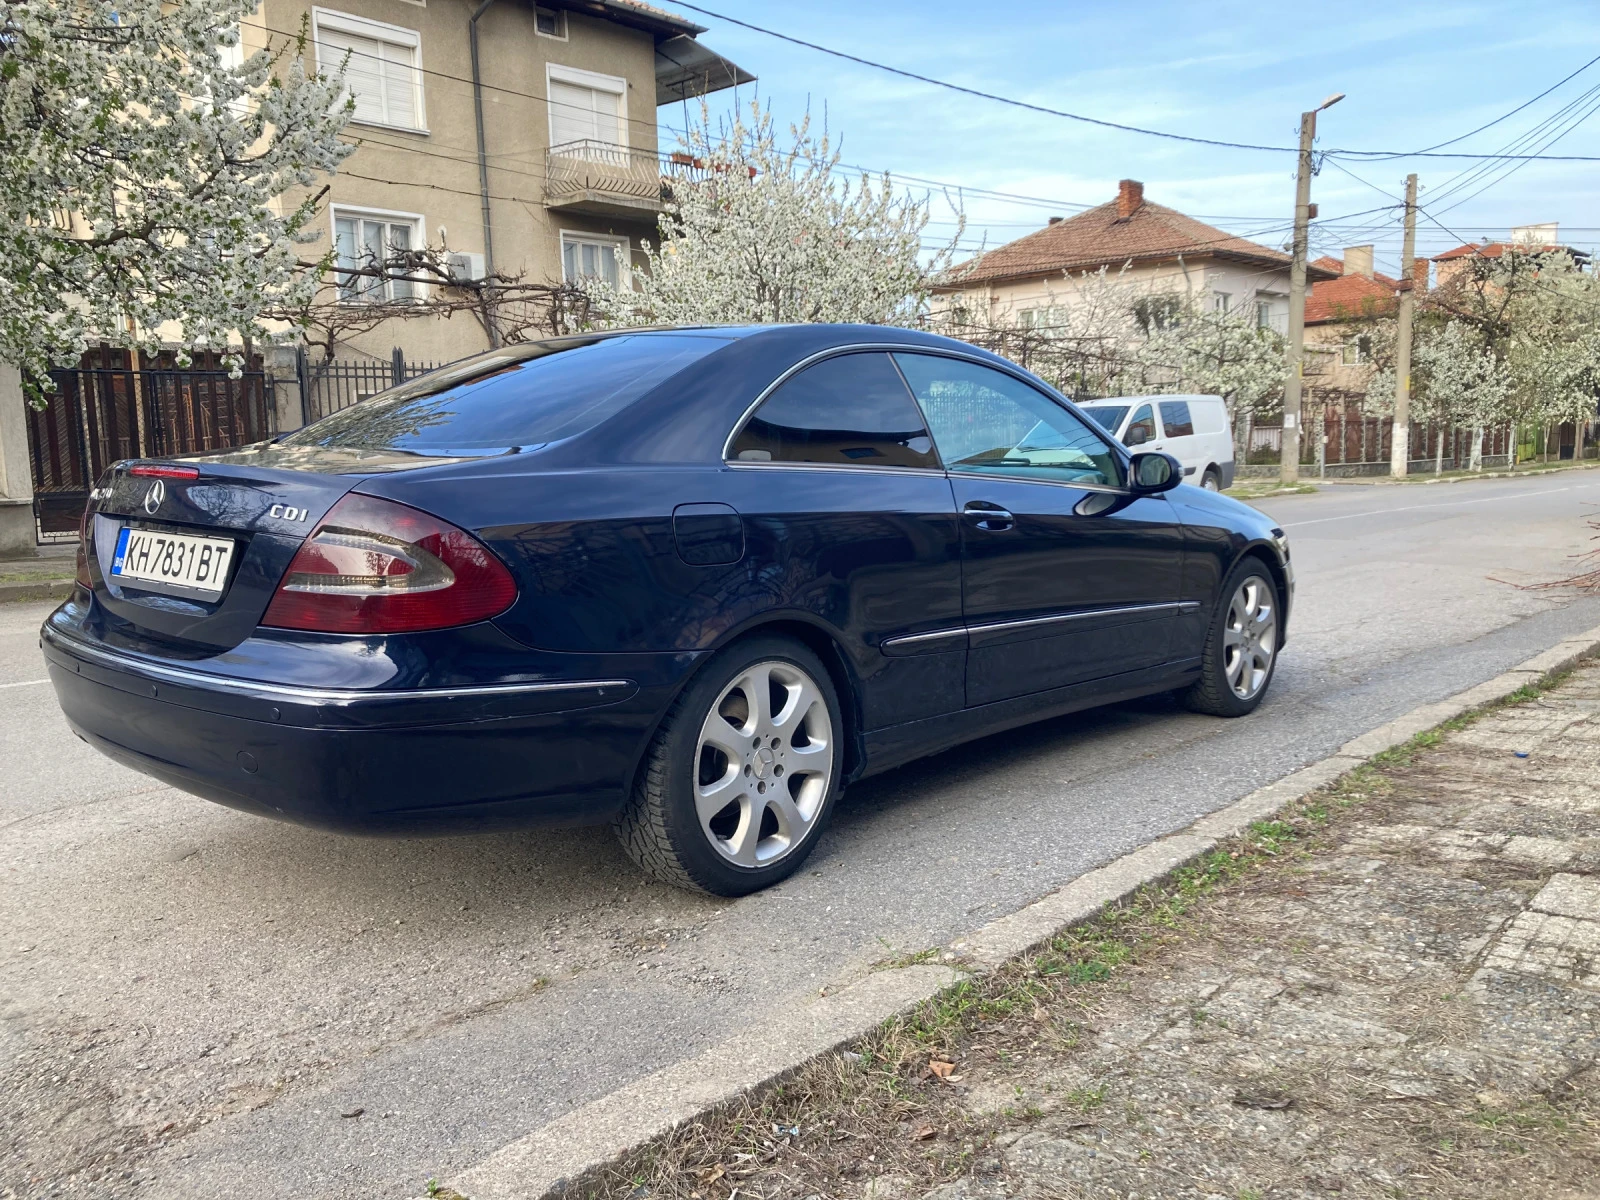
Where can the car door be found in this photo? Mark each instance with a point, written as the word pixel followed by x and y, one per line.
pixel 1067 577
pixel 852 521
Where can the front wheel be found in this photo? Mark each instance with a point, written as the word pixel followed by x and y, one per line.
pixel 1241 649
pixel 741 778
pixel 1211 480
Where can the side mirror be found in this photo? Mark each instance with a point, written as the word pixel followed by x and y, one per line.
pixel 1135 436
pixel 1154 472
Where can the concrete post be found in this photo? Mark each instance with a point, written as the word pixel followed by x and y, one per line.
pixel 289 406
pixel 18 538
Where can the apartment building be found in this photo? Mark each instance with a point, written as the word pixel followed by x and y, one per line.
pixel 520 137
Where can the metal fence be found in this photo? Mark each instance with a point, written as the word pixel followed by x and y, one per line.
pixel 1352 443
pixel 334 384
pixel 120 404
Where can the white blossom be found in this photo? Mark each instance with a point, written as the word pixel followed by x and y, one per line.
pixel 138 168
pixel 756 232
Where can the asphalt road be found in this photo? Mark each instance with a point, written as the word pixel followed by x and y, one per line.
pixel 196 1001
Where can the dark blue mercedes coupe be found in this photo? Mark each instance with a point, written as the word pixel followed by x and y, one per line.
pixel 690 582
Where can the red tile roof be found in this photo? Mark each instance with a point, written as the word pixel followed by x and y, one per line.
pixel 1492 250
pixel 1329 263
pixel 1349 297
pixel 1100 238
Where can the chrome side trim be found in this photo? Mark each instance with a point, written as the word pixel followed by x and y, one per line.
pixel 912 639
pixel 917 639
pixel 1066 618
pixel 751 465
pixel 343 697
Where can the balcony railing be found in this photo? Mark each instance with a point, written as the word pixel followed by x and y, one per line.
pixel 600 175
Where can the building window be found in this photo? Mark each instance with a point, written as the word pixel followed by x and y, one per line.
pixel 1357 350
pixel 372 241
pixel 1220 302
pixel 550 23
pixel 587 110
pixel 1263 314
pixel 382 67
pixel 585 257
pixel 1157 313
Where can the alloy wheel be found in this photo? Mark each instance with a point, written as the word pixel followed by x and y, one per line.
pixel 764 763
pixel 1250 637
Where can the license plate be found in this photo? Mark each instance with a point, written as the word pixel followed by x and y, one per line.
pixel 178 562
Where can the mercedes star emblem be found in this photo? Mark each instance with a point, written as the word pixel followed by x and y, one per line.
pixel 154 497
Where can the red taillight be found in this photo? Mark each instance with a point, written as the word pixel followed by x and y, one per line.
pixel 161 471
pixel 374 566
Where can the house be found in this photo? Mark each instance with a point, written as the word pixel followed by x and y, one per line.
pixel 1525 239
pixel 1339 315
pixel 1155 249
pixel 520 137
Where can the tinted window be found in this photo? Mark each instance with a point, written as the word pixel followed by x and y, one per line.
pixel 985 420
pixel 1144 420
pixel 850 409
pixel 1107 416
pixel 1175 418
pixel 520 396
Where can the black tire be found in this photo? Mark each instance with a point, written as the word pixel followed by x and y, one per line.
pixel 660 827
pixel 1211 480
pixel 1214 692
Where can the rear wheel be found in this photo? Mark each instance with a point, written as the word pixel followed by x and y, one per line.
pixel 1211 480
pixel 741 778
pixel 1241 649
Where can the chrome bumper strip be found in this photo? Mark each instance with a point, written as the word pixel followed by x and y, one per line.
pixel 307 695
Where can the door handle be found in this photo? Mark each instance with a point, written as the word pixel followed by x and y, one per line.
pixel 988 516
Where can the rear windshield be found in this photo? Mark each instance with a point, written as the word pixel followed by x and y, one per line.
pixel 509 399
pixel 1107 416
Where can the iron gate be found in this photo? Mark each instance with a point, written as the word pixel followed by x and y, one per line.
pixel 334 384
pixel 120 404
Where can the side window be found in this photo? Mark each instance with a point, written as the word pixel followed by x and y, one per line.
pixel 1142 428
pixel 1175 418
pixel 849 409
pixel 985 420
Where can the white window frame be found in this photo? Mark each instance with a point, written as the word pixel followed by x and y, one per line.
pixel 417 221
pixel 381 31
pixel 623 246
pixel 616 84
pixel 561 19
pixel 1221 302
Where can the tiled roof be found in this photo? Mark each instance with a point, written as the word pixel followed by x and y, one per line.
pixel 1349 297
pixel 1491 250
pixel 1099 238
pixel 1329 263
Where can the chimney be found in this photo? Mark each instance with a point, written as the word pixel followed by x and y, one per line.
pixel 1419 274
pixel 1130 198
pixel 1358 260
pixel 1056 220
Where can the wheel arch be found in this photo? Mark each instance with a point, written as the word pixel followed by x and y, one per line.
pixel 1268 557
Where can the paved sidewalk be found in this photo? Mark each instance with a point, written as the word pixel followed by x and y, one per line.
pixel 1392 992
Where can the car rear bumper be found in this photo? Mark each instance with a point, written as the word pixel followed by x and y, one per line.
pixel 424 760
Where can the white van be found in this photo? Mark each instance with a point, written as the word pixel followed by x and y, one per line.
pixel 1193 429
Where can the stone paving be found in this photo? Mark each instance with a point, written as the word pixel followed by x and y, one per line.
pixel 1413 1012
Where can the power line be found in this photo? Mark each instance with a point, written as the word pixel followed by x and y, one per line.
pixel 1072 116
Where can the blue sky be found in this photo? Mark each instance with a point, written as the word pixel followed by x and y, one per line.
pixel 1414 74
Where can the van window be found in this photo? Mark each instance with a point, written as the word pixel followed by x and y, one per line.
pixel 1107 416
pixel 1143 420
pixel 1175 418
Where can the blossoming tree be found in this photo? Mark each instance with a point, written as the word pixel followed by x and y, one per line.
pixel 143 162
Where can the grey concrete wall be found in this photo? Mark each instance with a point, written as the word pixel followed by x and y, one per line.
pixel 17 536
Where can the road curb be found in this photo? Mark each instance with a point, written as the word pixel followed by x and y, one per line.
pixel 35 589
pixel 549 1160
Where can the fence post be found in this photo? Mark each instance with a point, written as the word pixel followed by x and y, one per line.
pixel 302 374
pixel 397 366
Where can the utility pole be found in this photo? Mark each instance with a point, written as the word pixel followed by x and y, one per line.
pixel 1289 471
pixel 1400 439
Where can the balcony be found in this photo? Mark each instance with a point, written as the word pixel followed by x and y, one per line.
pixel 604 180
